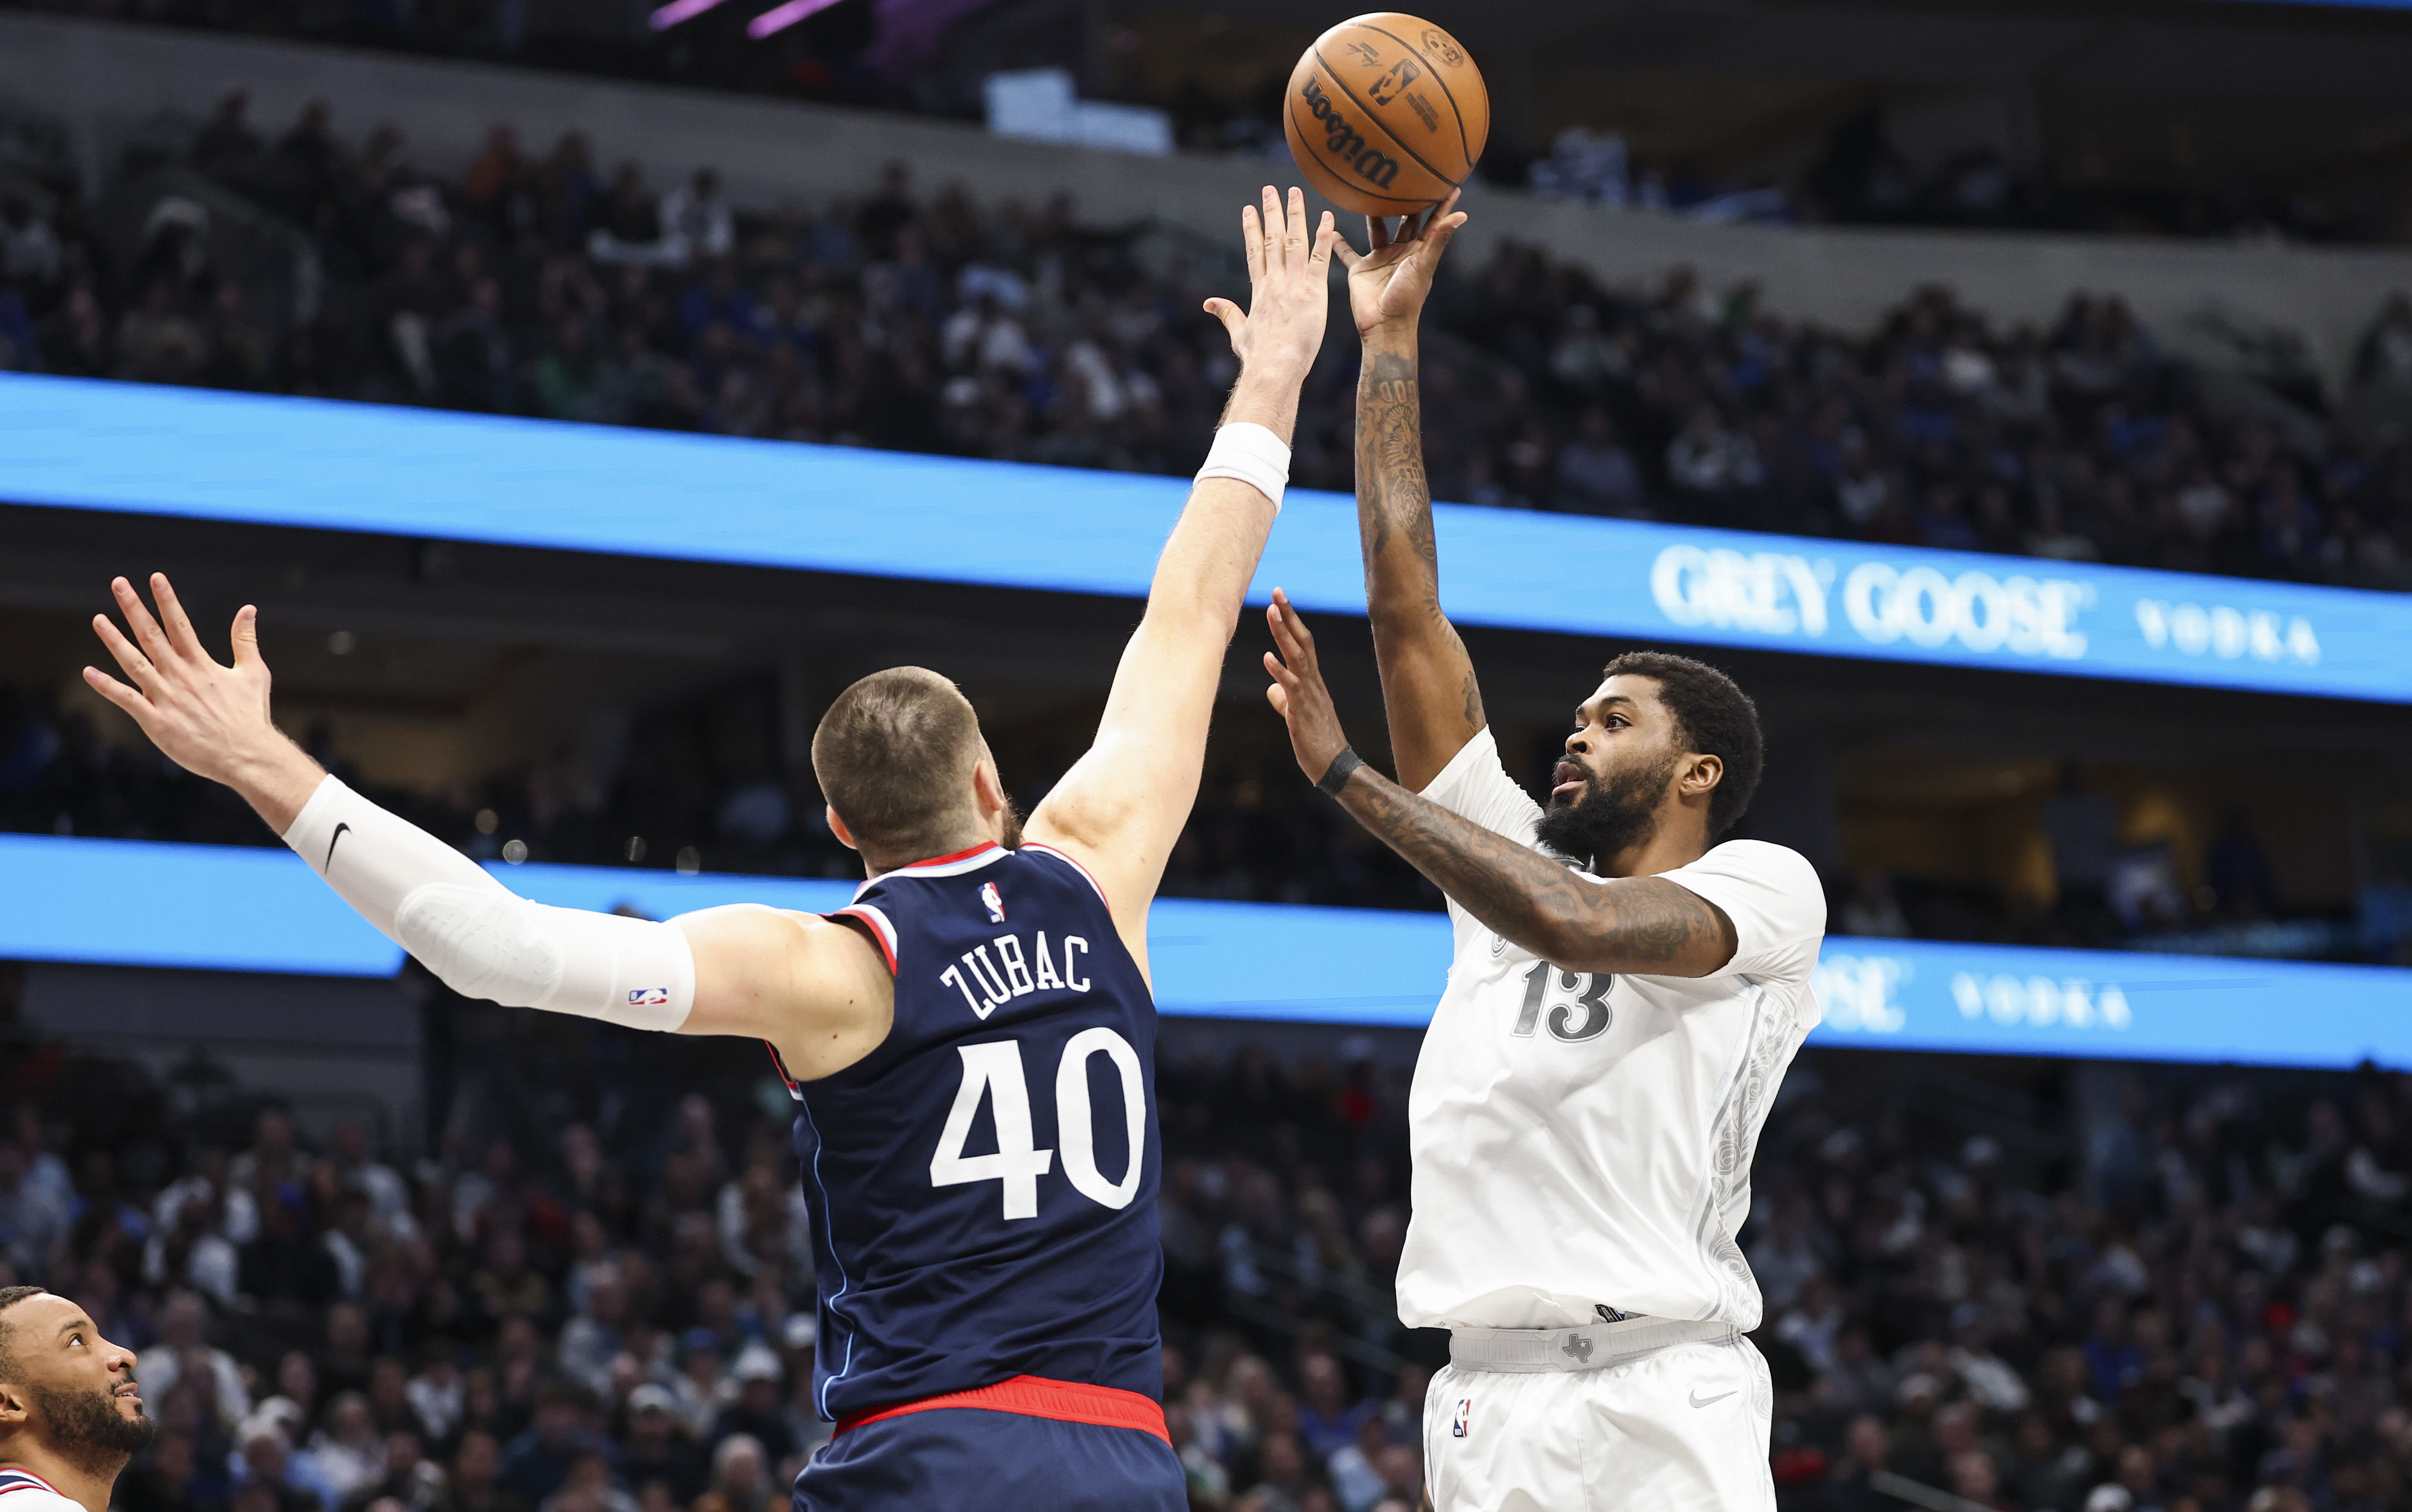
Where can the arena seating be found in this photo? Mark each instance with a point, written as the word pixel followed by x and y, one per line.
pixel 545 283
pixel 2201 1310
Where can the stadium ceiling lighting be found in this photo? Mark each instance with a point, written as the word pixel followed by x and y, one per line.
pixel 677 11
pixel 779 17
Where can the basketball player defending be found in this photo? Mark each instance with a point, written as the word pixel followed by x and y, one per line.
pixel 972 1040
pixel 1626 995
pixel 70 1415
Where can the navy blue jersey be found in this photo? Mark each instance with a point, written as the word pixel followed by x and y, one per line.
pixel 983 1184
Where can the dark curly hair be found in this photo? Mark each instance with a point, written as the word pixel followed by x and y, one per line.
pixel 1713 717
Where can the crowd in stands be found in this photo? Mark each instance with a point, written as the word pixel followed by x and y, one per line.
pixel 1257 834
pixel 545 283
pixel 592 1292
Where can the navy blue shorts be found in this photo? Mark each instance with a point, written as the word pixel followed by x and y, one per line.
pixel 1000 1462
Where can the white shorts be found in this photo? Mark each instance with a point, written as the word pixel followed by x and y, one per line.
pixel 1630 1424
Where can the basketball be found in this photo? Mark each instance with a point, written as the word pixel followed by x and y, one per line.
pixel 1386 114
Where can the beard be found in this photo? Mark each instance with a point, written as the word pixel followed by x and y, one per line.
pixel 1011 822
pixel 1614 813
pixel 87 1428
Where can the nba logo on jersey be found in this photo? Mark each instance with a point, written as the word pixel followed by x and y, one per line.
pixel 995 900
pixel 1464 1415
pixel 648 997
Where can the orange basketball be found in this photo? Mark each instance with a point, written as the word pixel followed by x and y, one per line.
pixel 1386 114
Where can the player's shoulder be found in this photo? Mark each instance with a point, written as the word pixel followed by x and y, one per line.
pixel 1763 858
pixel 21 1491
pixel 1766 863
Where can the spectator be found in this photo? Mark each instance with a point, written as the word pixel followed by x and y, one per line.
pixel 595 1337
pixel 347 1450
pixel 1708 457
pixel 696 222
pixel 657 1449
pixel 29 249
pixel 1595 474
pixel 2082 827
pixel 475 1482
pixel 756 1413
pixel 538 1461
pixel 588 1488
pixel 1327 1421
pixel 740 1474
pixel 2238 868
pixel 183 1345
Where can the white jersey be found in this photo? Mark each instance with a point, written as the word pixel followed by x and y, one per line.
pixel 1584 1141
pixel 21 1491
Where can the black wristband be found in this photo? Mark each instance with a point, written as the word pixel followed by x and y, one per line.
pixel 1335 776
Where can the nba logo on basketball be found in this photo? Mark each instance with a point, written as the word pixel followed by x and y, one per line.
pixel 1464 1415
pixel 995 900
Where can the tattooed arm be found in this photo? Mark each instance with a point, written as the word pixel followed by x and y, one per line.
pixel 1645 924
pixel 1428 687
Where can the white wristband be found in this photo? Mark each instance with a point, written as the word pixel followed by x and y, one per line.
pixel 1252 454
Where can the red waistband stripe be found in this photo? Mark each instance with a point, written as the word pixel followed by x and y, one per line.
pixel 1035 1396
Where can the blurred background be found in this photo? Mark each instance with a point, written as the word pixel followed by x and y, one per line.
pixel 2016 397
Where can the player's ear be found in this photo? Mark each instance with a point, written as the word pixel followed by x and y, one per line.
pixel 837 828
pixel 13 1399
pixel 988 788
pixel 1701 775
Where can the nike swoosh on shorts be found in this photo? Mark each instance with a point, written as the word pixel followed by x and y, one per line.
pixel 1698 1401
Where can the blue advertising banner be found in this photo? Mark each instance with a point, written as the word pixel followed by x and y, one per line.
pixel 203 454
pixel 124 902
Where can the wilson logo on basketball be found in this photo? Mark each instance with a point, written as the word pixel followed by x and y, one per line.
pixel 1344 145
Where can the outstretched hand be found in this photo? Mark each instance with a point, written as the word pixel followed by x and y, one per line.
pixel 1389 282
pixel 210 719
pixel 1299 694
pixel 1290 297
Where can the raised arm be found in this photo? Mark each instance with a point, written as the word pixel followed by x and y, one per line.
pixel 1643 924
pixel 1428 687
pixel 1122 805
pixel 819 992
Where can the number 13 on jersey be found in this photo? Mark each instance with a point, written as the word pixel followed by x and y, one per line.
pixel 992 1072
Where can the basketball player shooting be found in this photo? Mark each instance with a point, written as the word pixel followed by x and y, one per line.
pixel 988 1326
pixel 1626 994
pixel 69 1414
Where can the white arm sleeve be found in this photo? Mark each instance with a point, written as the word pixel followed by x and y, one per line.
pixel 481 939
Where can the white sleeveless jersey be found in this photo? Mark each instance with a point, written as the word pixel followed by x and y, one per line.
pixel 1584 1141
pixel 21 1491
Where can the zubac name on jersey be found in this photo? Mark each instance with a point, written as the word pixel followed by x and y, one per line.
pixel 983 1184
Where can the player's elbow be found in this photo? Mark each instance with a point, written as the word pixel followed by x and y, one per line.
pixel 1396 613
pixel 1568 940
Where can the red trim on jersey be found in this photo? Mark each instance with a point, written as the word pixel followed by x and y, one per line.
pixel 1074 862
pixel 876 924
pixel 21 1470
pixel 873 924
pixel 1035 1396
pixel 779 1063
pixel 944 860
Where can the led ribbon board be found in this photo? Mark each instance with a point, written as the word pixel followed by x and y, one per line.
pixel 125 903
pixel 198 453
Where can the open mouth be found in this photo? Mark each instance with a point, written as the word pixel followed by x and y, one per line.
pixel 1571 779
